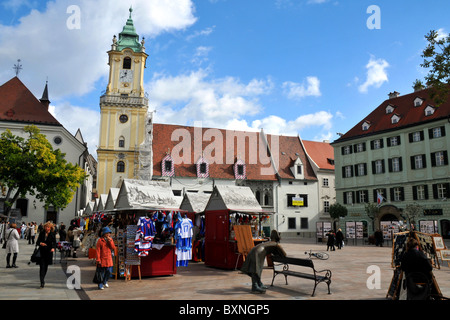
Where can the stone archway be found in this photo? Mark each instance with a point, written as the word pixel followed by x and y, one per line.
pixel 388 213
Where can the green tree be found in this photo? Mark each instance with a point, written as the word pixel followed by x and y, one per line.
pixel 337 211
pixel 437 59
pixel 31 166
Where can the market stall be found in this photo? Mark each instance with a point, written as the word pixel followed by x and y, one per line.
pixel 194 204
pixel 227 207
pixel 145 214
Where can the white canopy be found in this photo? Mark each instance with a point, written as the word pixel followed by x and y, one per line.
pixel 151 195
pixel 233 198
pixel 195 202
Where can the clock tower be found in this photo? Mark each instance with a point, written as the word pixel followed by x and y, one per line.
pixel 124 111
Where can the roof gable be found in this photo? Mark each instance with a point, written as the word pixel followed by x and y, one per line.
pixel 18 104
pixel 406 111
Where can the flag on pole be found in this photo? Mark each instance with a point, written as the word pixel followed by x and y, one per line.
pixel 379 198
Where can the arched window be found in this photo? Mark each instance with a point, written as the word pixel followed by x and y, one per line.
pixel 126 63
pixel 120 166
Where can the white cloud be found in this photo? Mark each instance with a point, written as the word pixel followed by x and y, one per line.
pixel 187 98
pixel 295 90
pixel 75 59
pixel 376 74
pixel 276 125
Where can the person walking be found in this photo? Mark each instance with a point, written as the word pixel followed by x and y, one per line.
pixel 47 243
pixel 32 233
pixel 339 238
pixel 104 256
pixel 331 240
pixel 12 246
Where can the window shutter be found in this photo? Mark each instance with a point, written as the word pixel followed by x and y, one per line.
pixel 414 192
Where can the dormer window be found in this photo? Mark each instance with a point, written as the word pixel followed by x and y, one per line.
pixel 418 102
pixel 365 125
pixel 395 119
pixel 168 169
pixel 297 169
pixel 202 168
pixel 429 110
pixel 389 109
pixel 239 170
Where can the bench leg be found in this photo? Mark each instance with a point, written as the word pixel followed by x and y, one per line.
pixel 285 278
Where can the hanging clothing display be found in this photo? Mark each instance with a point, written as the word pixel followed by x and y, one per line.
pixel 144 236
pixel 183 237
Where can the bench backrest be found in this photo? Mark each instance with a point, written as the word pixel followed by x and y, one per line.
pixel 293 261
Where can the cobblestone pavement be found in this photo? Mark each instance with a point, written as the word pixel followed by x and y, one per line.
pixel 198 282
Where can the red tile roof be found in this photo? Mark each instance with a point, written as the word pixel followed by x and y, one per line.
pixel 404 107
pixel 18 104
pixel 322 153
pixel 223 166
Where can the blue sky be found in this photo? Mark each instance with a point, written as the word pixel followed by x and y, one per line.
pixel 307 67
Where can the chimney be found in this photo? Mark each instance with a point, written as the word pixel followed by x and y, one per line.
pixel 44 100
pixel 394 94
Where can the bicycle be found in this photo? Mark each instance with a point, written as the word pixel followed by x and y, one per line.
pixel 318 255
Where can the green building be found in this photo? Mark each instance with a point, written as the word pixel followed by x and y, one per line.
pixel 396 160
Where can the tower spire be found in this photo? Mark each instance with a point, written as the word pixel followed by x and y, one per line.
pixel 44 100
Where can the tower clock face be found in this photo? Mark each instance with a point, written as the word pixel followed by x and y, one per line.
pixel 126 75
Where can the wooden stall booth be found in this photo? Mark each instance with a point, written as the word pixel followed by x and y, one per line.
pixel 194 204
pixel 152 203
pixel 228 208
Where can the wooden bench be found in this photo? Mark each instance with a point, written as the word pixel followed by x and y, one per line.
pixel 286 262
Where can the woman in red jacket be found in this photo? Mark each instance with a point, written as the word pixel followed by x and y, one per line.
pixel 105 247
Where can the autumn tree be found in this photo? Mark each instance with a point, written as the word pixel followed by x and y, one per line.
pixel 31 166
pixel 437 59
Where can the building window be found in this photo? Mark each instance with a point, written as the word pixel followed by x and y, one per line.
pixel 378 166
pixel 397 194
pixel 299 169
pixel 439 159
pixel 420 192
pixel 57 140
pixel 347 171
pixel 291 224
pixel 239 170
pixel 325 182
pixel 429 111
pixel 395 164
pixel 126 63
pixel 326 206
pixel 123 118
pixel 121 142
pixel 441 190
pixel 436 132
pixel 266 199
pixel 393 141
pixel 349 197
pixel 376 144
pixel 346 150
pixel 361 169
pixel 362 196
pixel 202 168
pixel 304 223
pixel 360 147
pixel 418 162
pixel 120 166
pixel 168 169
pixel 416 136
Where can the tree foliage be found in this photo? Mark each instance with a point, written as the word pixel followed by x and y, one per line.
pixel 337 211
pixel 437 59
pixel 31 166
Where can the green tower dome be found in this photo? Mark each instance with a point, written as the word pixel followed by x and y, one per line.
pixel 128 38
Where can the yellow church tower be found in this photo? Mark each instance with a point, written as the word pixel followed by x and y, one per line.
pixel 124 111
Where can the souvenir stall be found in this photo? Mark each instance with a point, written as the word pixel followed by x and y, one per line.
pixel 194 204
pixel 147 216
pixel 227 208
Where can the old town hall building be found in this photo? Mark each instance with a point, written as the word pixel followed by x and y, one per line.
pixel 292 178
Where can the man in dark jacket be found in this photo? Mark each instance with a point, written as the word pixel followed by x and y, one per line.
pixel 414 262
